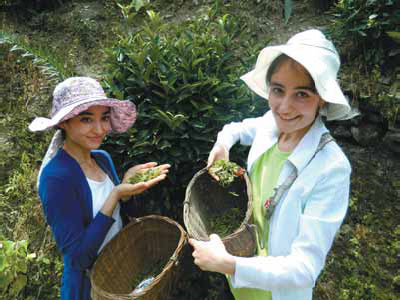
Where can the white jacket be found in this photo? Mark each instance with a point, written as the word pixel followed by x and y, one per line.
pixel 305 221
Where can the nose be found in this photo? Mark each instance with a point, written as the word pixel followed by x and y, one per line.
pixel 99 128
pixel 284 105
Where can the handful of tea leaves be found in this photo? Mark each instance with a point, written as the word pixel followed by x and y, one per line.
pixel 226 171
pixel 146 175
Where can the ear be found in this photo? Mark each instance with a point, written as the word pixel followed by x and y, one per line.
pixel 61 125
pixel 321 103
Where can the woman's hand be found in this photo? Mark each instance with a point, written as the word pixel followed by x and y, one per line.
pixel 126 189
pixel 218 152
pixel 212 255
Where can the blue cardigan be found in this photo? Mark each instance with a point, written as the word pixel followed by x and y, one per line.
pixel 67 204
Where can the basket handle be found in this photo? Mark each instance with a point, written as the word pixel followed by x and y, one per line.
pixel 253 231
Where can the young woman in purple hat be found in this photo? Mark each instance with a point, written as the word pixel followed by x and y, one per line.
pixel 300 176
pixel 81 194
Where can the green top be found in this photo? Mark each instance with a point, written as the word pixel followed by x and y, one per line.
pixel 264 176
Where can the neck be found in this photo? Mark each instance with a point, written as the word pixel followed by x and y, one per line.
pixel 80 155
pixel 288 141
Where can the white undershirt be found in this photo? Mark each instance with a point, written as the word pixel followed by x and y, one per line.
pixel 100 191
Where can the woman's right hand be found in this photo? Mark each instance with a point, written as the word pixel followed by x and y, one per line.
pixel 218 152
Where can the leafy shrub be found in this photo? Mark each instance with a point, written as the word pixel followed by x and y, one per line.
pixel 363 261
pixel 366 33
pixel 184 80
pixel 13 266
pixel 25 93
pixel 366 23
pixel 35 4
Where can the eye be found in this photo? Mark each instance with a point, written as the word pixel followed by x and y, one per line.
pixel 302 96
pixel 86 120
pixel 277 90
pixel 105 118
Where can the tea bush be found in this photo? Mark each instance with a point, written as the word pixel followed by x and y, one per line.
pixel 366 25
pixel 367 34
pixel 13 266
pixel 185 82
pixel 25 92
pixel 363 263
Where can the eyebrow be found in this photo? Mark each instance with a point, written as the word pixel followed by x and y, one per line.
pixel 308 88
pixel 86 113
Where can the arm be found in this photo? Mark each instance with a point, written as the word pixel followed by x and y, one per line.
pixel 244 132
pixel 63 208
pixel 323 214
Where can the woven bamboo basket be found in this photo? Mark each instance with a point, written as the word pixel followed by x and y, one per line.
pixel 136 248
pixel 205 200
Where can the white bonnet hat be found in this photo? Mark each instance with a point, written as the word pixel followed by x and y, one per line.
pixel 319 57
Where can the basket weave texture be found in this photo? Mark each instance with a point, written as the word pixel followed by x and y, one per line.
pixel 205 199
pixel 135 249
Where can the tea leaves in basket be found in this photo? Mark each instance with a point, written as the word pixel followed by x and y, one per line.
pixel 227 223
pixel 144 278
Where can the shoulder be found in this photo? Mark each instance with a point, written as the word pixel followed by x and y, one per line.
pixel 59 167
pixel 332 158
pixel 104 158
pixel 101 154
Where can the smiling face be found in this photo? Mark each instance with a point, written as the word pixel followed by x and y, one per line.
pixel 87 130
pixel 293 98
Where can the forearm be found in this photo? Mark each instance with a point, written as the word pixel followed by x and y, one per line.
pixel 269 273
pixel 243 132
pixel 82 251
pixel 110 203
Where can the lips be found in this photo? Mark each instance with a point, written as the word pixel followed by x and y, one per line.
pixel 97 139
pixel 287 119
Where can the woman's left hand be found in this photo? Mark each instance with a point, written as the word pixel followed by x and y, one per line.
pixel 212 255
pixel 142 167
pixel 127 189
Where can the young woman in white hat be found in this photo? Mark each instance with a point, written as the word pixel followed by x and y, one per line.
pixel 300 176
pixel 80 191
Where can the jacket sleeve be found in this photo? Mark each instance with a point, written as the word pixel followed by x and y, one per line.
pixel 323 214
pixel 243 131
pixel 63 208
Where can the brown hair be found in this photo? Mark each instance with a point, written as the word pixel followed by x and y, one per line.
pixel 278 61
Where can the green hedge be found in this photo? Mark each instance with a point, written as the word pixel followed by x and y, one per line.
pixel 185 82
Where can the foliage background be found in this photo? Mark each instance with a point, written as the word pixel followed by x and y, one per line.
pixel 106 40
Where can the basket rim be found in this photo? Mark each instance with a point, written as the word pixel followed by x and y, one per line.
pixel 168 267
pixel 187 205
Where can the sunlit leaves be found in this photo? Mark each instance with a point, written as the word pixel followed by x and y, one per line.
pixel 13 266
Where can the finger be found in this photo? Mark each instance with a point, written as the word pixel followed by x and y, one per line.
pixel 148 165
pixel 154 181
pixel 211 159
pixel 215 238
pixel 193 243
pixel 164 168
pixel 214 176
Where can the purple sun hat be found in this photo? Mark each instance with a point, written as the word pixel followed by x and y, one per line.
pixel 75 95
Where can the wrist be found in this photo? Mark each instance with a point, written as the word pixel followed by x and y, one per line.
pixel 229 265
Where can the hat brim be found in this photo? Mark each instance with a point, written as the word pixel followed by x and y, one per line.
pixel 123 114
pixel 325 83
